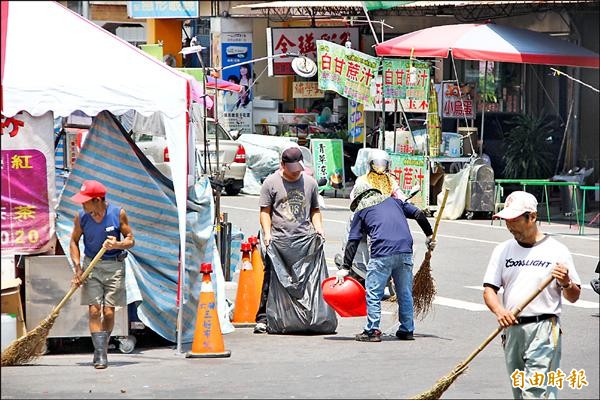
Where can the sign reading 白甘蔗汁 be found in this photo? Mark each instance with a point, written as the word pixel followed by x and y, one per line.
pixel 346 71
pixel 28 184
pixel 408 105
pixel 406 80
pixel 302 41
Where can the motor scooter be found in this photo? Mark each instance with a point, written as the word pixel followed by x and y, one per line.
pixel 358 270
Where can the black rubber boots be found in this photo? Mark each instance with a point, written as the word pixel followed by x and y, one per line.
pixel 100 341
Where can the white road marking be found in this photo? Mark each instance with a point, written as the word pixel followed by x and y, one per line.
pixel 467 305
pixel 335 220
pixel 580 303
pixel 445 221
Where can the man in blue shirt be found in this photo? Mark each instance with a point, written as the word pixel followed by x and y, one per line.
pixel 383 219
pixel 102 225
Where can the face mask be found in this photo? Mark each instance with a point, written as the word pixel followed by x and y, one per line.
pixel 380 181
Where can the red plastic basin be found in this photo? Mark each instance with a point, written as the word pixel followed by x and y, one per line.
pixel 347 299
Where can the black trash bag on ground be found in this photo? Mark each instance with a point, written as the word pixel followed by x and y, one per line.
pixel 295 302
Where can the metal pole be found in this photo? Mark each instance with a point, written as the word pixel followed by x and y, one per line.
pixel 462 103
pixel 228 228
pixel 395 123
pixel 483 108
pixel 370 24
pixel 381 141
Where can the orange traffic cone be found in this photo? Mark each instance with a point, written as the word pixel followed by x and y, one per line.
pixel 208 340
pixel 246 300
pixel 258 268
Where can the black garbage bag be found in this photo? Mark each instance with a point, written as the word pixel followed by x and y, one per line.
pixel 295 303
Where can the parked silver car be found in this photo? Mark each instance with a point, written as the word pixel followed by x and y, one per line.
pixel 232 155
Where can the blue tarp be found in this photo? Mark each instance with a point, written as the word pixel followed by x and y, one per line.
pixel 148 198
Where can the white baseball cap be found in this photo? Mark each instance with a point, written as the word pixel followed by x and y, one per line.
pixel 516 204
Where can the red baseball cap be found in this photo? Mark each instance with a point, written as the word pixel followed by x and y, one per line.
pixel 89 190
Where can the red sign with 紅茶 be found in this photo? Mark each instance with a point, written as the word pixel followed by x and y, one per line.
pixel 27 150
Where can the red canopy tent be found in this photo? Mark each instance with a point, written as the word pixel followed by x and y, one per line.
pixel 489 42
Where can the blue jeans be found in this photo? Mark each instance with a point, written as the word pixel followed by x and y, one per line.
pixel 379 270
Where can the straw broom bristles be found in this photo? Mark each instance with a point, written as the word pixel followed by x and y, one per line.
pixel 424 289
pixel 444 383
pixel 27 347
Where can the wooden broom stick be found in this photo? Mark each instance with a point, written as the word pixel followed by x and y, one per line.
pixel 444 383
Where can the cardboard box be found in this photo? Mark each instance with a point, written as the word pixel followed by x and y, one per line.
pixel 11 303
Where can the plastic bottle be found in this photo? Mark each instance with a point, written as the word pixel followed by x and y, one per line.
pixel 9 329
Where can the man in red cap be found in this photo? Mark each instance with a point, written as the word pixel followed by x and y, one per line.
pixel 102 225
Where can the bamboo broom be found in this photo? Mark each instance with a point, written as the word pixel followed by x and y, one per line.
pixel 424 289
pixel 444 383
pixel 26 347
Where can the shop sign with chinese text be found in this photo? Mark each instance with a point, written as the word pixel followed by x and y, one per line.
pixel 410 171
pixel 328 162
pixel 409 105
pixel 406 80
pixel 302 41
pixel 235 109
pixel 346 71
pixel 28 184
pixel 307 90
pixel 452 105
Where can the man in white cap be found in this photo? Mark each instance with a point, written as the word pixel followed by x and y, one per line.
pixel 532 341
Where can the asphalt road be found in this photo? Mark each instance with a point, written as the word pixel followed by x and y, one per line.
pixel 336 366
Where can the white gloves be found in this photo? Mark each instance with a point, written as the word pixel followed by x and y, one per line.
pixel 340 275
pixel 430 243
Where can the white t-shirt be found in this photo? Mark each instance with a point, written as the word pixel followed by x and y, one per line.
pixel 520 270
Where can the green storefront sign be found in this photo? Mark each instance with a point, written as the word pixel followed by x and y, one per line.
pixel 409 172
pixel 346 71
pixel 328 161
pixel 406 80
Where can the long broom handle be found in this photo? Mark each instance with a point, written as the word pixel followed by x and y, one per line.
pixel 439 216
pixel 84 276
pixel 516 311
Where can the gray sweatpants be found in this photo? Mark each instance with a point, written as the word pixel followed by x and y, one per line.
pixel 534 349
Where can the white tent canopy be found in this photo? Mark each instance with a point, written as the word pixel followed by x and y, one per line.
pixel 55 60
